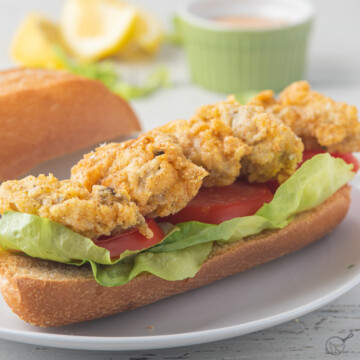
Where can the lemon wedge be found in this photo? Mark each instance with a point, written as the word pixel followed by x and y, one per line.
pixel 93 29
pixel 33 42
pixel 148 32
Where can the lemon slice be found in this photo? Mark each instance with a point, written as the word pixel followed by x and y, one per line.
pixel 93 29
pixel 33 42
pixel 148 32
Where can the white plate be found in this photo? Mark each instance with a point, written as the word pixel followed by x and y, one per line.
pixel 256 299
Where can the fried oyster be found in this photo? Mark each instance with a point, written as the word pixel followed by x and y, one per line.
pixel 152 169
pixel 317 119
pixel 210 144
pixel 69 203
pixel 275 149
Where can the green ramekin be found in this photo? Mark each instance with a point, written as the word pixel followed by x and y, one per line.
pixel 233 60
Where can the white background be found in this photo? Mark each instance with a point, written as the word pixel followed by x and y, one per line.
pixel 334 69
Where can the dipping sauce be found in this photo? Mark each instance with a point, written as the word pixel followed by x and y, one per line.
pixel 250 22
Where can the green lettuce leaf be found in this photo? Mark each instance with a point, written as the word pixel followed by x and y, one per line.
pixel 182 252
pixel 105 71
pixel 46 239
pixel 316 180
pixel 156 80
pixel 175 265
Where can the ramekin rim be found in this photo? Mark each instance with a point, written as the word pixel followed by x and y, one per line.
pixel 185 14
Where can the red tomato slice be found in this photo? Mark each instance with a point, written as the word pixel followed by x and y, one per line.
pixel 131 240
pixel 347 157
pixel 308 154
pixel 273 185
pixel 217 204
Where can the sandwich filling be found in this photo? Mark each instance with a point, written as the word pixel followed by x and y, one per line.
pixel 103 215
pixel 187 245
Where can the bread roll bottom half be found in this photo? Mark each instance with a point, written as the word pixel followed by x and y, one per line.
pixel 45 293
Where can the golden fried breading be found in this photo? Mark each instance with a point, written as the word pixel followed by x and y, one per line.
pixel 210 144
pixel 276 150
pixel 152 169
pixel 317 119
pixel 94 167
pixel 70 203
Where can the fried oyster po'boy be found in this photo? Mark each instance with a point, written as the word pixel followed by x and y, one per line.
pixel 124 229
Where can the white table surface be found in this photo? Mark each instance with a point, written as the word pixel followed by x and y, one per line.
pixel 333 68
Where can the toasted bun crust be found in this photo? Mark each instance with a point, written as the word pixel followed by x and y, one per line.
pixel 47 113
pixel 46 293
